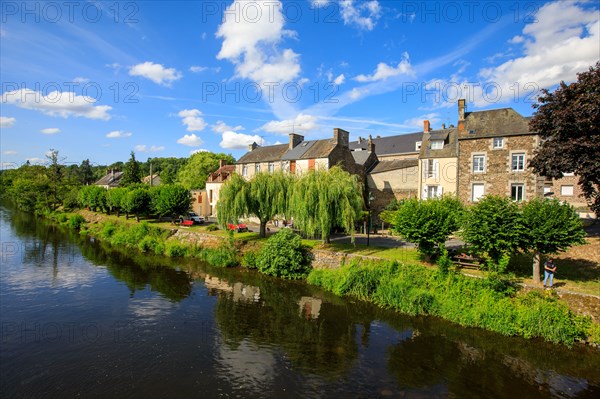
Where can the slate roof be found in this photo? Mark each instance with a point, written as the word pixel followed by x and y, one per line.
pixel 298 151
pixel 450 149
pixel 155 180
pixel 320 149
pixel 386 166
pixel 404 143
pixel 264 154
pixel 221 174
pixel 110 180
pixel 495 123
pixel 360 157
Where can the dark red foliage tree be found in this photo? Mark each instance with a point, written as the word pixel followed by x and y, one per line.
pixel 568 120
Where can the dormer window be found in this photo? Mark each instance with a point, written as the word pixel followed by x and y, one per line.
pixel 437 144
pixel 418 146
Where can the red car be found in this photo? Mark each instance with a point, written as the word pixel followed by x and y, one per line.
pixel 239 228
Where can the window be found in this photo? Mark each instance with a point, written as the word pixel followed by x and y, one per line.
pixel 271 167
pixel 478 191
pixel 210 197
pixel 566 190
pixel 430 168
pixel 417 145
pixel 498 142
pixel 433 191
pixel 517 192
pixel 479 163
pixel 518 162
pixel 437 144
pixel 257 168
pixel 245 170
pixel 568 174
pixel 547 190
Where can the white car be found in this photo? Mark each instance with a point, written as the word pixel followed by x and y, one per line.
pixel 193 216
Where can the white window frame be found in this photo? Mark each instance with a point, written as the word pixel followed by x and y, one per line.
pixel 473 197
pixel 562 190
pixel 517 167
pixel 418 145
pixel 481 166
pixel 516 196
pixel 497 140
pixel 437 192
pixel 568 174
pixel 257 168
pixel 271 167
pixel 436 144
pixel 245 170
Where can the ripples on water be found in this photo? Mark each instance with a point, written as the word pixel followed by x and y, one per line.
pixel 82 319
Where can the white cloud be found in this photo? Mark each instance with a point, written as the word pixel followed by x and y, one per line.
pixel 191 140
pixel 145 148
pixel 300 124
pixel 197 150
pixel 385 71
pixel 9 152
pixel 155 72
pixel 36 161
pixel 192 119
pixel 250 41
pixel 433 118
pixel 222 127
pixel 363 15
pixel 319 3
pixel 197 69
pixel 339 80
pixel 50 130
pixel 238 141
pixel 560 43
pixel 5 121
pixel 81 80
pixel 57 103
pixel 117 134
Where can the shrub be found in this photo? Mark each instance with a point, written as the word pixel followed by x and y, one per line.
pixel 108 230
pixel 174 249
pixel 61 218
pixel 148 244
pixel 76 221
pixel 212 227
pixel 250 260
pixel 284 256
pixel 444 262
pixel 220 257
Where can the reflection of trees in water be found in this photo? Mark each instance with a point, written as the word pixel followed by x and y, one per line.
pixel 325 346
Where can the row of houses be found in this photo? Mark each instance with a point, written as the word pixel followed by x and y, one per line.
pixel 486 152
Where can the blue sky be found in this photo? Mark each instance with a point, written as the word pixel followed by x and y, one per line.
pixel 99 79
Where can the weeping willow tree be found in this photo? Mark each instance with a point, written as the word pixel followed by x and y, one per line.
pixel 322 200
pixel 264 196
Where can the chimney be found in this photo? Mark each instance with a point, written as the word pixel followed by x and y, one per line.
pixel 341 137
pixel 443 125
pixel 295 139
pixel 252 147
pixel 426 127
pixel 370 145
pixel 221 163
pixel 461 115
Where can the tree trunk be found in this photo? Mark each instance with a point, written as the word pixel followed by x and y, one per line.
pixel 263 229
pixel 137 218
pixel 536 268
pixel 126 215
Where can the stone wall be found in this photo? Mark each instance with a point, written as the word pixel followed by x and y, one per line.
pixel 323 259
pixel 195 238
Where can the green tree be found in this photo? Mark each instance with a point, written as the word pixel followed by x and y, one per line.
pixel 568 121
pixel 494 227
pixel 136 201
pixel 284 256
pixel 195 172
pixel 29 188
pixel 92 197
pixel 550 227
pixel 322 200
pixel 86 173
pixel 428 223
pixel 132 172
pixel 264 196
pixel 170 200
pixel 114 199
pixel 55 174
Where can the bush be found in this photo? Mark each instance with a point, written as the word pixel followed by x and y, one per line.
pixel 212 227
pixel 250 260
pixel 174 249
pixel 108 230
pixel 61 218
pixel 148 244
pixel 284 256
pixel 220 257
pixel 76 221
pixel 444 261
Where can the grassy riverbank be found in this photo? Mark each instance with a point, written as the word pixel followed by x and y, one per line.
pixel 490 303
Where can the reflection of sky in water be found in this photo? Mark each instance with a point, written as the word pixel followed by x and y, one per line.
pixel 151 310
pixel 246 365
pixel 561 386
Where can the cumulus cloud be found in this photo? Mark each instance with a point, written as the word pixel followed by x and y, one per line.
pixel 197 150
pixel 156 73
pixel 364 14
pixel 81 80
pixel 191 140
pixel 339 80
pixel 57 103
pixel 433 118
pixel 300 124
pixel 6 121
pixel 118 134
pixel 50 130
pixel 192 118
pixel 222 127
pixel 145 148
pixel 251 42
pixel 384 71
pixel 238 141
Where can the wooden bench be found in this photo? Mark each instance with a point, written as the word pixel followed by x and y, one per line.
pixel 466 261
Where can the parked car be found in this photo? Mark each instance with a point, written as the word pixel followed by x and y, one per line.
pixel 193 217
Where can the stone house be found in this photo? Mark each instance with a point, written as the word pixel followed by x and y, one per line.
pixel 110 180
pixel 438 162
pixel 200 203
pixel 214 183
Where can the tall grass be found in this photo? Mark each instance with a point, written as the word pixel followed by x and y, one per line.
pixel 484 303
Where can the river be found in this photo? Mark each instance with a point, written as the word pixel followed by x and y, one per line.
pixel 81 318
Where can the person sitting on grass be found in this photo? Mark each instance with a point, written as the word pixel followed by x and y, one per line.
pixel 549 270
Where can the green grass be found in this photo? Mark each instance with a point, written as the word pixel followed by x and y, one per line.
pixel 400 254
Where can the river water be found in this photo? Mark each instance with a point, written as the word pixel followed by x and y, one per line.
pixel 81 318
